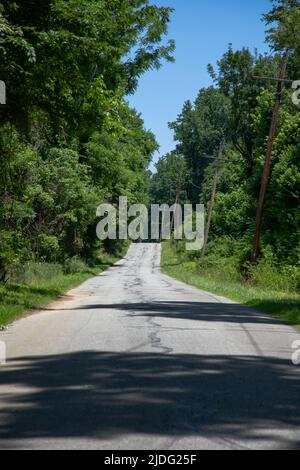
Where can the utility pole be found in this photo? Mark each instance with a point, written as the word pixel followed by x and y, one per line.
pixel 177 202
pixel 267 168
pixel 213 199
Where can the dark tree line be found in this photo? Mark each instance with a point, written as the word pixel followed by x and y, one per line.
pixel 68 140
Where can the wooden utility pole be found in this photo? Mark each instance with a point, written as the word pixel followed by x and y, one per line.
pixel 177 201
pixel 267 167
pixel 212 201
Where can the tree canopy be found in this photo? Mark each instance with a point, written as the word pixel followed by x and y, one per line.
pixel 237 109
pixel 68 138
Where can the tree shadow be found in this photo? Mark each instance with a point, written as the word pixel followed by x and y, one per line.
pixel 196 311
pixel 104 395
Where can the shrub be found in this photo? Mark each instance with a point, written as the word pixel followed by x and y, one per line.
pixel 49 248
pixel 74 265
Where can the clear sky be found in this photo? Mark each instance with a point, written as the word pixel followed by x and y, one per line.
pixel 202 30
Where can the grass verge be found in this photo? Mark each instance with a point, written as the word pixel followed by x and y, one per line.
pixel 42 283
pixel 280 304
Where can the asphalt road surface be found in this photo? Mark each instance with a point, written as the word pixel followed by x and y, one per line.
pixel 135 360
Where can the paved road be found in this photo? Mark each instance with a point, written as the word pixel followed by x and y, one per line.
pixel 135 360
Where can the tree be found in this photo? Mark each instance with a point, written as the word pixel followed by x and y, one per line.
pixel 234 77
pixel 284 19
pixel 76 45
pixel 171 176
pixel 199 129
pixel 68 140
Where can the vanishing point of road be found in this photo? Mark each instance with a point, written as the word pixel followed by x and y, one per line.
pixel 135 360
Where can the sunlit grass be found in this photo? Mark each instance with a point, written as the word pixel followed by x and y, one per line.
pixel 279 303
pixel 41 283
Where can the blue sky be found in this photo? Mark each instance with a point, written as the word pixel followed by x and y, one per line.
pixel 202 30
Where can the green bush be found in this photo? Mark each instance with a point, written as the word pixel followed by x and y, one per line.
pixel 14 250
pixel 225 246
pixel 49 248
pixel 74 265
pixel 285 279
pixel 227 259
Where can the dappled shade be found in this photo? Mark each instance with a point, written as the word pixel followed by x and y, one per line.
pixel 104 395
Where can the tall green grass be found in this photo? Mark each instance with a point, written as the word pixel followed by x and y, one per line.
pixel 37 284
pixel 266 288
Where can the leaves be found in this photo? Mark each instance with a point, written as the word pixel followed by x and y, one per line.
pixel 239 109
pixel 68 139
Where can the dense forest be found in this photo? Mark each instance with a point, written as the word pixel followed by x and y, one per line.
pixel 68 139
pixel 141 343
pixel 230 122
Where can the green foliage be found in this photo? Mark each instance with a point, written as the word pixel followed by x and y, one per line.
pixel 74 265
pixel 238 109
pixel 120 161
pixel 172 176
pixel 234 77
pixel 74 58
pixel 268 289
pixel 32 273
pixel 273 285
pixel 68 139
pixel 199 129
pixel 36 284
pixel 284 19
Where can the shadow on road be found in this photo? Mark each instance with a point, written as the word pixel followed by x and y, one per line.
pixel 105 395
pixel 197 311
